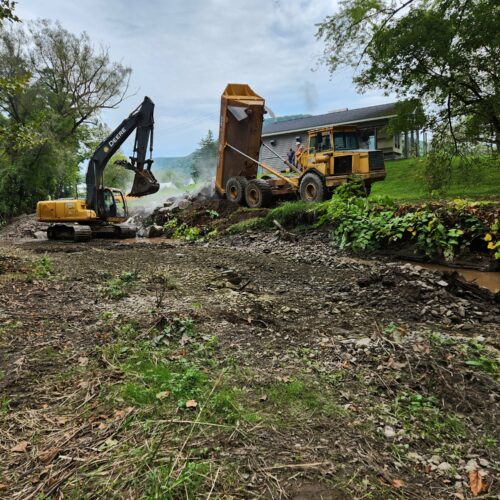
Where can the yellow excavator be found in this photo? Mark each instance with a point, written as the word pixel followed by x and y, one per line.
pixel 104 210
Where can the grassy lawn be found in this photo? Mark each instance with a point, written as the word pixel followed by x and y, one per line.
pixel 404 182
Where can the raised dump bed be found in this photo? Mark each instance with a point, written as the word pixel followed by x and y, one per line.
pixel 241 117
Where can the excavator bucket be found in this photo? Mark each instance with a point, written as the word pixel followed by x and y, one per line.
pixel 144 184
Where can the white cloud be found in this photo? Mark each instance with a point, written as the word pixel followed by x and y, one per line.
pixel 184 53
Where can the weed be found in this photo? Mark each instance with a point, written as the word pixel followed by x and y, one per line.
pixel 117 288
pixel 484 364
pixel 213 214
pixel 162 283
pixel 298 396
pixel 179 329
pixel 163 482
pixel 390 328
pixel 420 415
pixel 225 406
pixel 127 331
pixel 4 405
pixel 297 213
pixel 10 326
pixel 490 442
pixel 48 353
pixel 437 339
pixel 43 268
pixel 182 380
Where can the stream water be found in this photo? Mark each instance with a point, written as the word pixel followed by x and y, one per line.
pixel 485 279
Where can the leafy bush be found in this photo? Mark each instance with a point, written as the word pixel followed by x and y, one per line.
pixel 445 230
pixel 43 268
pixel 170 227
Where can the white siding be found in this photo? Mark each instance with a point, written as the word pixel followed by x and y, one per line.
pixel 283 143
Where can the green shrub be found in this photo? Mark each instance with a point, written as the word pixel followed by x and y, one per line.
pixel 43 268
pixel 444 230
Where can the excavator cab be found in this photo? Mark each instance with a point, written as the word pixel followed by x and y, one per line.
pixel 115 208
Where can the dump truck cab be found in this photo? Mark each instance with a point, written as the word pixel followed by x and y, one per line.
pixel 336 153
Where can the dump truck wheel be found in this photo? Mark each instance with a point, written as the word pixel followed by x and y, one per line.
pixel 258 194
pixel 312 188
pixel 235 189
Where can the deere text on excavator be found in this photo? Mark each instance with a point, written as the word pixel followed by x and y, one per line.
pixel 104 211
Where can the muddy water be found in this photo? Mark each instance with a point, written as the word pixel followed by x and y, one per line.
pixel 484 279
pixel 489 280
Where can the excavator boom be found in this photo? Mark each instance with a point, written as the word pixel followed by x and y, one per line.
pixel 141 120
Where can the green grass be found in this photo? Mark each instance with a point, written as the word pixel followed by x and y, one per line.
pixel 117 288
pixel 294 213
pixel 404 181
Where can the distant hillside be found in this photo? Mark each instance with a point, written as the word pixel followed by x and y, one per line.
pixel 173 169
pixel 173 163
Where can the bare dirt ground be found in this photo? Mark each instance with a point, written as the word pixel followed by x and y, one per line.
pixel 249 367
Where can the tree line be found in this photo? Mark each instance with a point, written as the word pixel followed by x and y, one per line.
pixel 441 59
pixel 53 85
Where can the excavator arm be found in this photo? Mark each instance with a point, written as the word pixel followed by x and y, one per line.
pixel 141 120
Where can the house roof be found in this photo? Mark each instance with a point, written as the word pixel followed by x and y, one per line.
pixel 334 118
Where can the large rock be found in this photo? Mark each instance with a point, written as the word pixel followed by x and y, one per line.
pixel 152 231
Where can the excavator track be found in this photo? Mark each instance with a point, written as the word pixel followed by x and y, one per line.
pixel 79 232
pixel 69 232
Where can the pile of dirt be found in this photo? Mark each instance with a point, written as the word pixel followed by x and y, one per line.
pixel 24 227
pixel 207 214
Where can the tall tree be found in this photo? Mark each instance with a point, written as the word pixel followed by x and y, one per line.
pixel 205 158
pixel 7 11
pixel 57 83
pixel 444 53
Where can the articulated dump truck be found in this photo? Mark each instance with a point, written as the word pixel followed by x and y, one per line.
pixel 332 156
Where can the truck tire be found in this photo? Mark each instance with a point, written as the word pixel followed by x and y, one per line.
pixel 235 189
pixel 312 188
pixel 258 194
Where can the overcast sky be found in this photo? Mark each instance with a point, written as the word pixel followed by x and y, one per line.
pixel 183 53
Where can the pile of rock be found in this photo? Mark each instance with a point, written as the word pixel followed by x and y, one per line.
pixel 25 227
pixel 205 192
